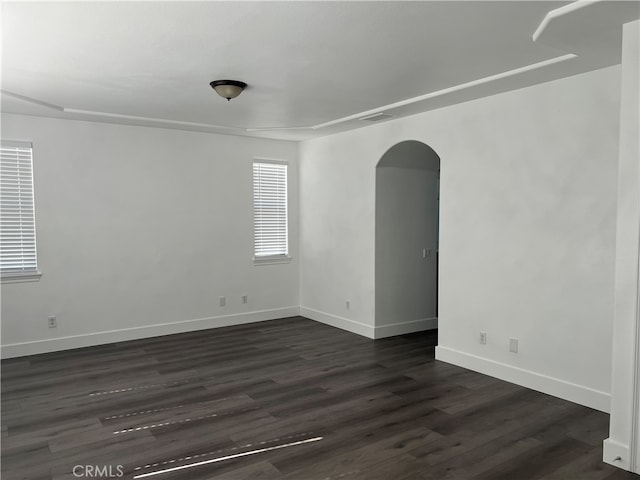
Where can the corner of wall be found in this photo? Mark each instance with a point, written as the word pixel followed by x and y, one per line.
pixel 616 454
pixel 339 322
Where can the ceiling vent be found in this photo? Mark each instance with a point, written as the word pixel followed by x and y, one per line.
pixel 376 117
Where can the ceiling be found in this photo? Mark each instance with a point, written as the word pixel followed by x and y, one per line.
pixel 313 68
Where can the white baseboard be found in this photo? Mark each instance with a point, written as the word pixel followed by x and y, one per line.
pixel 369 331
pixel 339 322
pixel 100 338
pixel 403 328
pixel 612 451
pixel 535 381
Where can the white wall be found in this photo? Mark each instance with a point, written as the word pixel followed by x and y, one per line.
pixel 406 223
pixel 139 229
pixel 527 230
pixel 625 413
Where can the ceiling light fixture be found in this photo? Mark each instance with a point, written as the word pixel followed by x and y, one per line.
pixel 228 88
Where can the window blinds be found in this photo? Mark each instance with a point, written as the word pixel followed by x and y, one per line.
pixel 270 209
pixel 17 215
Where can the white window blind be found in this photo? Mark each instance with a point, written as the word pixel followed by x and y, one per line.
pixel 270 210
pixel 17 215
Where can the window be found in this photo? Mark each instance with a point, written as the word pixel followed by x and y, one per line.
pixel 270 211
pixel 17 214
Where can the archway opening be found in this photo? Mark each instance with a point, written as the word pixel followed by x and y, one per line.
pixel 406 239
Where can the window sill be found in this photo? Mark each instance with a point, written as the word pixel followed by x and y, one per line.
pixel 271 260
pixel 21 277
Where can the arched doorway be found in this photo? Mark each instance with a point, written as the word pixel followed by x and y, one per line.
pixel 406 239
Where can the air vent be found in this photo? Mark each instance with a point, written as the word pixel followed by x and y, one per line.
pixel 376 117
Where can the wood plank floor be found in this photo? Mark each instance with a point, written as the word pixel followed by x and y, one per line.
pixel 284 399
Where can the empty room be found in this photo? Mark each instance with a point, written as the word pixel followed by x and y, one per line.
pixel 320 240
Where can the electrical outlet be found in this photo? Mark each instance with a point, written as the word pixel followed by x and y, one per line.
pixel 245 298
pixel 483 338
pixel 53 322
pixel 513 345
pixel 223 301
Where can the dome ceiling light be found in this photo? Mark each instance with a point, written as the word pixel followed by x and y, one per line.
pixel 228 88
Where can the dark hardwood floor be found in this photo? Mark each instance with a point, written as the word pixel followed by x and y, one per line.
pixel 284 399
